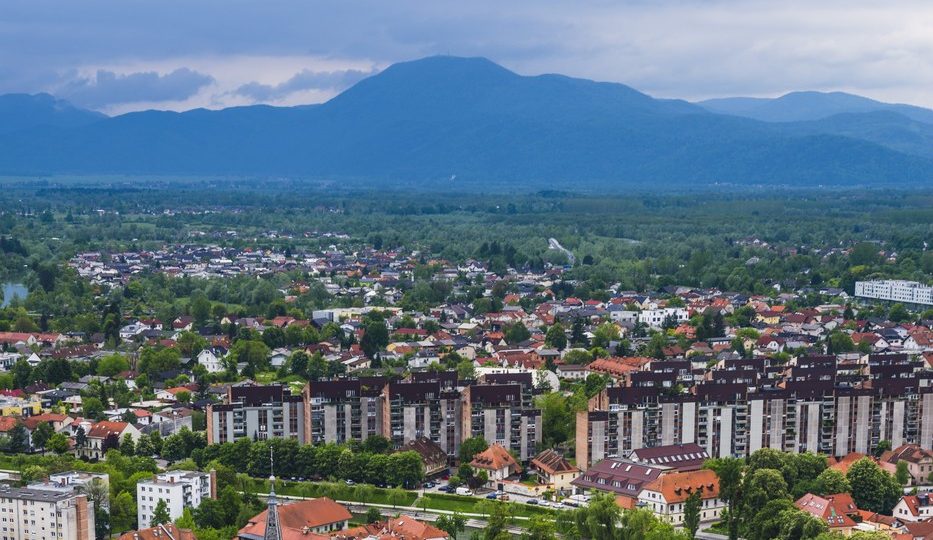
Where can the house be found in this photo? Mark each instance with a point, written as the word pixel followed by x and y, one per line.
pixel 913 508
pixel 211 359
pixel 497 462
pixel 401 528
pixel 919 461
pixel 300 519
pixel 432 455
pixel 835 511
pixel 96 445
pixel 572 371
pixel 624 479
pixel 667 494
pixel 159 532
pixel 554 470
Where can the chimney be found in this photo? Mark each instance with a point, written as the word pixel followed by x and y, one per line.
pixel 213 473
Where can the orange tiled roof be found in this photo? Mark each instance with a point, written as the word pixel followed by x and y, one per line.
pixel 676 487
pixel 494 458
pixel 297 517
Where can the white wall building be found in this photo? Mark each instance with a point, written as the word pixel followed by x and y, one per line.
pixel 895 290
pixel 651 317
pixel 179 490
pixel 37 513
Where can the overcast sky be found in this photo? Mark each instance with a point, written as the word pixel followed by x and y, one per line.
pixel 122 55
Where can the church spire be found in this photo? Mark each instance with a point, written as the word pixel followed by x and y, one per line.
pixel 273 528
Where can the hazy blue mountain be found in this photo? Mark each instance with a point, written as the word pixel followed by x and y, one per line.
pixel 886 128
pixel 428 121
pixel 27 111
pixel 806 106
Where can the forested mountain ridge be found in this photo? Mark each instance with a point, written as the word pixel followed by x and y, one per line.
pixel 440 119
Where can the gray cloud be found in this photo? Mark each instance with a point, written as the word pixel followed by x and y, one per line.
pixel 107 88
pixel 674 48
pixel 303 80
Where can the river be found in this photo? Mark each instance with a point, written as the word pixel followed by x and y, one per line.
pixel 11 290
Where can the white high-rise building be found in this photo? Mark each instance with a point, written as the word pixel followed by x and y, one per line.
pixel 38 514
pixel 179 490
pixel 895 290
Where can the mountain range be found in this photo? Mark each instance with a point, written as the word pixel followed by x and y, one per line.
pixel 441 120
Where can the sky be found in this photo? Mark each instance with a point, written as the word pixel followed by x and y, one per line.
pixel 124 55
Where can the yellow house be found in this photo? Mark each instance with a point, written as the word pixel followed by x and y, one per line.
pixel 554 471
pixel 19 407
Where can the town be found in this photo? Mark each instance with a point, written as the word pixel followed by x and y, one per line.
pixel 355 405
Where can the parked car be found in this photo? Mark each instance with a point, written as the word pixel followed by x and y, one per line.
pixel 531 501
pixel 491 496
pixel 464 491
pixel 350 482
pixel 429 485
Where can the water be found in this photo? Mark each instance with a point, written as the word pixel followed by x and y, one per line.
pixel 11 290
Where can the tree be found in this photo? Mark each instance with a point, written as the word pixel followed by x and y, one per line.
pixel 539 528
pixel 470 447
pixel 729 472
pixel 173 449
pixel 190 344
pixel 375 338
pixel 58 443
pixel 19 439
pixel 397 496
pixel 882 447
pixel 516 333
pixel 830 482
pixel 899 313
pixel 33 473
pixel 902 474
pixel 80 438
pixel 759 488
pixel 557 418
pixel 123 512
pixel 112 364
pixel 692 513
pixel 373 515
pixel 110 442
pixel 555 337
pixel 604 334
pixel 452 524
pixel 160 514
pixel 42 434
pixel 127 445
pixel 872 488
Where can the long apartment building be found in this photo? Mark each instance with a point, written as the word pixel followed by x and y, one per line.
pixel 433 405
pixel 257 412
pixel 895 290
pixel 39 514
pixel 816 404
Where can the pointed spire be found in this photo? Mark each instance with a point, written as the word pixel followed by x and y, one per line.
pixel 273 529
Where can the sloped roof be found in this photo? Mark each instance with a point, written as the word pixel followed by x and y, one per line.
pixel 297 517
pixel 494 458
pixel 676 487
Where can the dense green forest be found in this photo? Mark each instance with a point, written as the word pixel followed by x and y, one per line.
pixel 744 240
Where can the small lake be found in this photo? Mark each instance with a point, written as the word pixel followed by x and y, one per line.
pixel 11 290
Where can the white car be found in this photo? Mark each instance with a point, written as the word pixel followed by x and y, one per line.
pixel 544 502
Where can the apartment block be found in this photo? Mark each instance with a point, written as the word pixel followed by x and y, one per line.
pixel 39 514
pixel 895 290
pixel 258 412
pixel 815 404
pixel 179 490
pixel 343 410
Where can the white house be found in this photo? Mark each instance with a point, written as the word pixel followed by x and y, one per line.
pixel 666 495
pixel 914 508
pixel 211 360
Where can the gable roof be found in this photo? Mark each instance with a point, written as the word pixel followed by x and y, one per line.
pixel 676 487
pixel 552 462
pixel 297 517
pixel 494 458
pixel 832 509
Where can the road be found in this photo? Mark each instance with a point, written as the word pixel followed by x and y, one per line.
pixel 552 243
